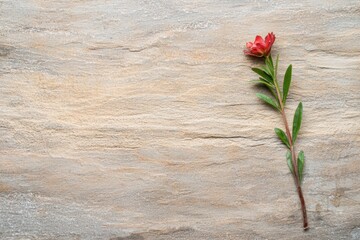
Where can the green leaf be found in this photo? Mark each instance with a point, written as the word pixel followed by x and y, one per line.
pixel 289 161
pixel 276 64
pixel 270 65
pixel 268 100
pixel 281 134
pixel 297 122
pixel 287 81
pixel 267 70
pixel 263 74
pixel 270 60
pixel 300 163
pixel 261 81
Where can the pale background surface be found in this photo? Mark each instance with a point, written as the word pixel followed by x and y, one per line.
pixel 136 120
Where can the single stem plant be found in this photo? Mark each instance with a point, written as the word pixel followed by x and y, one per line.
pixel 268 78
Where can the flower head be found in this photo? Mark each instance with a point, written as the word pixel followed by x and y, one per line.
pixel 260 47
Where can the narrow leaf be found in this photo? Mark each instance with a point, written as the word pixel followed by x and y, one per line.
pixel 300 163
pixel 268 100
pixel 263 74
pixel 270 65
pixel 269 85
pixel 276 64
pixel 263 79
pixel 297 121
pixel 267 70
pixel 271 61
pixel 287 81
pixel 281 134
pixel 289 161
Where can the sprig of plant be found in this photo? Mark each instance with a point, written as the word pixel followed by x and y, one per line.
pixel 268 78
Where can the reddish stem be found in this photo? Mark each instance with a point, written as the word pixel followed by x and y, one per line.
pixel 295 174
pixel 293 154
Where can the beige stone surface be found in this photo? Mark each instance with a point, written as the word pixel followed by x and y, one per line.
pixel 137 120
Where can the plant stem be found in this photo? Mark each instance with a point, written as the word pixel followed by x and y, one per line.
pixel 295 174
pixel 292 150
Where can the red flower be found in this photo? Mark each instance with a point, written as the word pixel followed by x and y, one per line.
pixel 260 48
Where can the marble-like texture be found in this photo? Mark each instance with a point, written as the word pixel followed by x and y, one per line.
pixel 136 120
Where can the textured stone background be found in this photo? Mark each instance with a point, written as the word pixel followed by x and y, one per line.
pixel 136 120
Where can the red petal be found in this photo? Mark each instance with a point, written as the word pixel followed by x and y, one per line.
pixel 247 52
pixel 270 38
pixel 269 41
pixel 249 44
pixel 252 54
pixel 259 40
